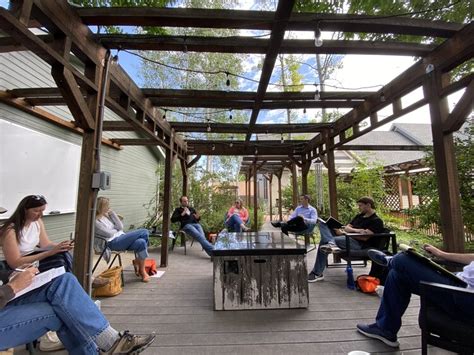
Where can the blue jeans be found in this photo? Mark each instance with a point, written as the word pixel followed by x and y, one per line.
pixel 136 240
pixel 62 306
pixel 404 276
pixel 234 223
pixel 328 237
pixel 195 230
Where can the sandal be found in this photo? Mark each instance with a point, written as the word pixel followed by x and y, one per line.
pixel 136 267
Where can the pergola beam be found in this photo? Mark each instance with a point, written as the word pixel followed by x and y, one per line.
pixel 262 20
pixel 258 45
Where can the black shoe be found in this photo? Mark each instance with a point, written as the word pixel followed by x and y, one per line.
pixel 276 224
pixel 312 277
pixel 379 257
pixel 373 331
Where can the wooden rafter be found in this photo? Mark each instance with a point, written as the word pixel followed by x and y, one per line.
pixel 243 128
pixel 258 45
pixel 263 20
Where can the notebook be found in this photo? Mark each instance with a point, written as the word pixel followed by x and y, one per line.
pixel 41 279
pixel 331 222
pixel 427 261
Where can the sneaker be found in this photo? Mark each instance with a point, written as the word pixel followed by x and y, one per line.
pixel 50 342
pixel 312 277
pixel 373 331
pixel 379 257
pixel 130 344
pixel 276 224
pixel 329 248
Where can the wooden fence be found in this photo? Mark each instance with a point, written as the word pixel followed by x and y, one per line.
pixel 413 223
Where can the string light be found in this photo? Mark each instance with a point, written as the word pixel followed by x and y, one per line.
pixel 213 147
pixel 317 96
pixel 256 151
pixel 304 111
pixel 164 114
pixel 318 42
pixel 209 127
pixel 227 82
pixel 230 114
pixel 282 140
pixel 231 143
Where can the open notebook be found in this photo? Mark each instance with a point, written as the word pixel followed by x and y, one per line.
pixel 41 279
pixel 331 222
pixel 427 261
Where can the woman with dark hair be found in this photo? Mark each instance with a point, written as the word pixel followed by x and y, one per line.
pixel 109 227
pixel 24 231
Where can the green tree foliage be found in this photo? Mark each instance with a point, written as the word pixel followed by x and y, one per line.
pixel 365 180
pixel 426 185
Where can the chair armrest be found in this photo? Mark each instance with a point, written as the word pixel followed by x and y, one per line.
pixel 437 287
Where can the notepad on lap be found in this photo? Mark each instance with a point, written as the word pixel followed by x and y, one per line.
pixel 331 222
pixel 427 261
pixel 41 279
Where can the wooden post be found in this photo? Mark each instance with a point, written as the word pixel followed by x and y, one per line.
pixel 294 180
pixel 445 164
pixel 332 180
pixel 184 172
pixel 280 209
pixel 166 206
pixel 255 200
pixel 270 178
pixel 410 191
pixel 400 192
pixel 304 176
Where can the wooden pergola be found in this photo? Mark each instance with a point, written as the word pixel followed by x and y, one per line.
pixel 103 83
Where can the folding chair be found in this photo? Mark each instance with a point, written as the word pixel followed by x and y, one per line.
pixel 116 256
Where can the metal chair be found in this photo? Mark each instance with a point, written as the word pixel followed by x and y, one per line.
pixel 438 328
pixel 115 255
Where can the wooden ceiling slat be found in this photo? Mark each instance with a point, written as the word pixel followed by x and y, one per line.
pixel 263 20
pixel 246 95
pixel 243 128
pixel 249 45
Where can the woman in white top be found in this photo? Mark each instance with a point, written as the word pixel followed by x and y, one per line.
pixel 109 227
pixel 24 231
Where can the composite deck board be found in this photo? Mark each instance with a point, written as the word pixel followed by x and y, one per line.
pixel 179 308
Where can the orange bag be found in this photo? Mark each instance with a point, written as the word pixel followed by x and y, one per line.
pixel 150 266
pixel 367 283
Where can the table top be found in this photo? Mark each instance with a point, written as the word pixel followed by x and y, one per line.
pixel 256 243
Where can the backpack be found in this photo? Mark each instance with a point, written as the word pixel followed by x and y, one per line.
pixel 367 283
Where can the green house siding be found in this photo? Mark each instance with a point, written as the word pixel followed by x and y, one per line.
pixel 132 169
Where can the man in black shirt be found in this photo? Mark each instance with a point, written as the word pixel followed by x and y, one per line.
pixel 365 223
pixel 189 219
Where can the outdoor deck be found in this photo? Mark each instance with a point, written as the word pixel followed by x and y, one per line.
pixel 179 308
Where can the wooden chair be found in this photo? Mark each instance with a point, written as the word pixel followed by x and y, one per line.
pixel 438 328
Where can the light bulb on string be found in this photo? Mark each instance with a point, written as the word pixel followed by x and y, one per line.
pixel 213 147
pixel 230 114
pixel 304 111
pixel 164 115
pixel 317 96
pixel 227 82
pixel 209 127
pixel 231 143
pixel 282 140
pixel 256 151
pixel 318 42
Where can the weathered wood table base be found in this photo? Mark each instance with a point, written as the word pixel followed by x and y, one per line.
pixel 262 270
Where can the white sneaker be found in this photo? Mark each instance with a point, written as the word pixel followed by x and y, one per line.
pixel 329 248
pixel 50 342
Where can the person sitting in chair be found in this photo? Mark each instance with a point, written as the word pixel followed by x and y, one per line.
pixel 403 280
pixel 236 217
pixel 366 222
pixel 302 220
pixel 110 227
pixel 62 306
pixel 189 219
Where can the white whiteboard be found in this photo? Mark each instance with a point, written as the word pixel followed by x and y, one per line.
pixel 33 163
